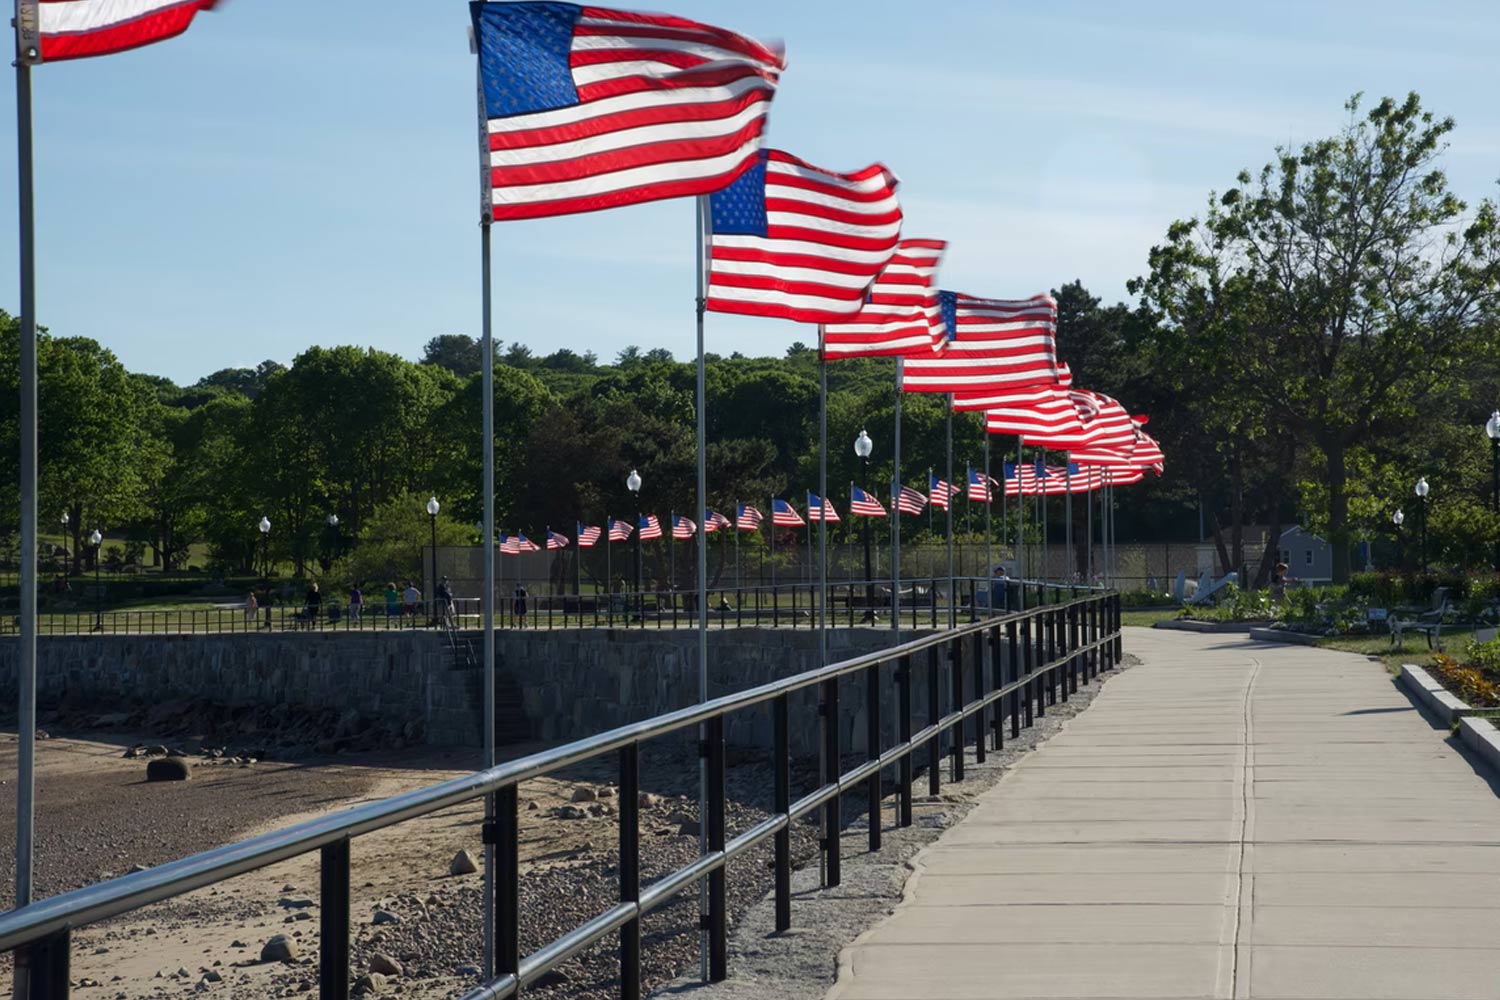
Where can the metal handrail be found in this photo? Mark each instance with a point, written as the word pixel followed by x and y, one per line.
pixel 1079 635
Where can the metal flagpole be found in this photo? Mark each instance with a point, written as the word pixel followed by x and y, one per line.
pixel 931 556
pixel 671 554
pixel 952 611
pixel 823 577
pixel 771 529
pixel 702 596
pixel 739 583
pixel 487 602
pixel 1041 489
pixel 896 512
pixel 26 51
pixel 989 555
pixel 1068 515
pixel 1020 523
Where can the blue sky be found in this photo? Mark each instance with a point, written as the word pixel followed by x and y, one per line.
pixel 293 173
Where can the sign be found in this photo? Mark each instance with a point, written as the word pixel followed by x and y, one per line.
pixel 1377 614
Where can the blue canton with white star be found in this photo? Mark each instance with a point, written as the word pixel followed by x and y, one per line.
pixel 948 309
pixel 524 51
pixel 740 209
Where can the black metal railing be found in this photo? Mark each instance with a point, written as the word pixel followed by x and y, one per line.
pixel 1000 669
pixel 924 602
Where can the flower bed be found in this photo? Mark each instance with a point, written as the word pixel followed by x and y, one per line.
pixel 1475 678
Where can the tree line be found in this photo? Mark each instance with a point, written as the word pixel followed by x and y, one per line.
pixel 1320 336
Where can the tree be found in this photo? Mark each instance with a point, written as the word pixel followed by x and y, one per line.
pixel 459 353
pixel 1339 290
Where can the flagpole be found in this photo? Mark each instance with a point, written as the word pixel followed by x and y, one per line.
pixel 26 710
pixel 487 601
pixel 702 595
pixel 952 611
pixel 896 512
pixel 672 557
pixel 989 555
pixel 1042 491
pixel 1088 506
pixel 1021 521
pixel 609 572
pixel 739 583
pixel 1068 513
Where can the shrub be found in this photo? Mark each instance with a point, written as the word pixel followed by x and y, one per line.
pixel 1146 599
pixel 1469 683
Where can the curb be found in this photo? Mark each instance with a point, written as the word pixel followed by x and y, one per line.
pixel 1187 625
pixel 1447 707
pixel 1282 635
pixel 1482 737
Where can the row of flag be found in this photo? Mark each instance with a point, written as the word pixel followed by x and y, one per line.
pixel 1031 479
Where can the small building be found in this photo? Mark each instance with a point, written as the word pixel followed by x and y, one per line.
pixel 1309 559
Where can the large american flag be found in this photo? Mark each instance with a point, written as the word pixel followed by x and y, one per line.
pixel 816 508
pixel 714 522
pixel 683 527
pixel 588 536
pixel 650 527
pixel 510 545
pixel 940 492
pixel 864 504
pixel 910 501
pixel 1109 433
pixel 73 29
pixel 1042 414
pixel 586 107
pixel 524 544
pixel 748 517
pixel 1147 453
pixel 991 343
pixel 900 316
pixel 619 531
pixel 555 540
pixel 794 241
pixel 785 514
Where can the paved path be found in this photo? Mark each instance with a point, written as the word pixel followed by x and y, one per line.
pixel 1230 819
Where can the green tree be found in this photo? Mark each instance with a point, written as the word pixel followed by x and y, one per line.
pixel 459 353
pixel 1344 285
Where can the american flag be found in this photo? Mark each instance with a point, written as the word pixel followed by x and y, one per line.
pixel 910 501
pixel 510 545
pixel 714 522
pixel 794 241
pixel 1109 433
pixel 619 531
pixel 785 514
pixel 979 486
pixel 991 343
pixel 650 527
pixel 864 504
pixel 588 536
pixel 748 518
pixel 940 492
pixel 73 29
pixel 683 527
pixel 556 541
pixel 586 108
pixel 1147 453
pixel 816 508
pixel 900 316
pixel 1042 414
pixel 523 544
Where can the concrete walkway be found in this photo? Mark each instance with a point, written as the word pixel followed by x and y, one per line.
pixel 1229 819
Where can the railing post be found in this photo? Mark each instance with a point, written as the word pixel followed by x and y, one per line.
pixel 956 655
pixel 782 763
pixel 1049 653
pixel 934 713
pixel 1075 641
pixel 832 768
pixel 718 901
pixel 872 749
pixel 1114 603
pixel 1013 657
pixel 43 970
pixel 980 736
pixel 333 956
pixel 997 679
pixel 1033 682
pixel 630 869
pixel 1060 649
pixel 903 704
pixel 506 838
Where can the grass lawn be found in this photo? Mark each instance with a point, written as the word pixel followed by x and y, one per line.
pixel 1146 619
pixel 1413 648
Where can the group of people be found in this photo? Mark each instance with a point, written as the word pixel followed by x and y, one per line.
pixel 404 604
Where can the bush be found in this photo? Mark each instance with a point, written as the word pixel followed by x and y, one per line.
pixel 1146 599
pixel 1475 686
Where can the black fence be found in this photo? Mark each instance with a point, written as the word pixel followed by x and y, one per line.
pixel 982 678
pixel 791 605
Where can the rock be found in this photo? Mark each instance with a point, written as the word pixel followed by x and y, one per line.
pixel 295 904
pixel 181 973
pixel 131 753
pixel 463 863
pixel 583 794
pixel 605 792
pixel 688 829
pixel 295 917
pixel 553 977
pixel 466 970
pixel 385 917
pixel 138 868
pixel 648 800
pixel 167 769
pixel 385 965
pixel 279 949
pixel 237 943
pixel 370 982
pixel 42 734
pixel 531 805
pixel 570 812
pixel 211 977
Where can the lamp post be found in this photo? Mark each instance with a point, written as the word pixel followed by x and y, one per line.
pixel 265 546
pixel 862 448
pixel 633 484
pixel 1492 430
pixel 1421 490
pixel 432 512
pixel 333 551
pixel 64 522
pixel 96 539
pixel 1397 519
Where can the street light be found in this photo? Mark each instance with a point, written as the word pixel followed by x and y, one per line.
pixel 1421 490
pixel 633 484
pixel 65 519
pixel 96 539
pixel 1397 519
pixel 432 512
pixel 333 525
pixel 862 448
pixel 265 545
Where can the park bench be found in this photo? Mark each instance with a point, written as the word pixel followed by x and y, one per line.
pixel 1429 622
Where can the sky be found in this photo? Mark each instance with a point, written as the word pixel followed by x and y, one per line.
pixel 290 174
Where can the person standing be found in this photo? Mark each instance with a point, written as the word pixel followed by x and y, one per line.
pixel 356 603
pixel 411 601
pixel 519 606
pixel 392 600
pixel 313 605
pixel 444 609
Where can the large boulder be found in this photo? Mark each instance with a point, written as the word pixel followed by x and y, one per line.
pixel 167 769
pixel 279 949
